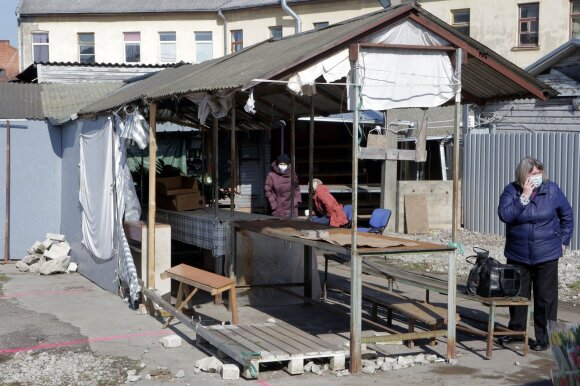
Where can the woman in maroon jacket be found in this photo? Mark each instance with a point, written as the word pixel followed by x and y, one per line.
pixel 328 210
pixel 279 188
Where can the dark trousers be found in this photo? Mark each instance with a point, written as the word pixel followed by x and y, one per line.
pixel 542 279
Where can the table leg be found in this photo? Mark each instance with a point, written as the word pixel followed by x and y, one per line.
pixel 526 336
pixel 324 293
pixel 234 304
pixel 490 330
pixel 308 272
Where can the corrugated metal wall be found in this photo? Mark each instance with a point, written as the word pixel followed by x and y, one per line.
pixel 489 165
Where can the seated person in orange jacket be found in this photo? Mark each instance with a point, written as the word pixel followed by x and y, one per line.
pixel 326 209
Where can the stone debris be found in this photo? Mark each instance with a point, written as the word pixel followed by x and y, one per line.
pixel 170 341
pixel 316 369
pixel 180 373
pixel 370 366
pixel 208 365
pixel 55 237
pixel 308 366
pixel 132 376
pixel 342 373
pixel 230 372
pixel 48 257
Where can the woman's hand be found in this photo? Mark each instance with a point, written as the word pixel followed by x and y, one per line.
pixel 528 188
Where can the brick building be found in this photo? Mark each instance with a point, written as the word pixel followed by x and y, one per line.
pixel 8 61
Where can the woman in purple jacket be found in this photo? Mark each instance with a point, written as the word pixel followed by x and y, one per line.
pixel 279 188
pixel 539 223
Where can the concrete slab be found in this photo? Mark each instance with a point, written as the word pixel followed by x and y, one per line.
pixel 66 315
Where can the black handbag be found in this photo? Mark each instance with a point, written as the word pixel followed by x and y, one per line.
pixel 490 278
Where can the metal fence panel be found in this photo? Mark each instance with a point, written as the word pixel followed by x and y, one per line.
pixel 489 164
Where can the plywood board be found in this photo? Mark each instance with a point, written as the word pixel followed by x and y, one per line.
pixel 416 213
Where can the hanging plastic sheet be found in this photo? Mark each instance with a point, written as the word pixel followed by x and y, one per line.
pixel 391 78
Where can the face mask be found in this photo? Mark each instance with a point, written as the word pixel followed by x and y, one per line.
pixel 536 180
pixel 283 167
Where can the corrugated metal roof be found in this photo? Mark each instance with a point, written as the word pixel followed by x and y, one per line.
pixel 20 101
pixel 57 102
pixel 56 7
pixel 61 101
pixel 274 59
pixel 553 57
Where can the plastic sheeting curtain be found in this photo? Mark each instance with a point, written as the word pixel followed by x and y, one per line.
pixel 107 196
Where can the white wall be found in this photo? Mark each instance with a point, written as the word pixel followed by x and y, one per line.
pixel 495 24
pixel 108 30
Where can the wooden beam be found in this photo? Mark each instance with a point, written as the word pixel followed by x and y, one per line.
pixel 377 153
pixel 152 204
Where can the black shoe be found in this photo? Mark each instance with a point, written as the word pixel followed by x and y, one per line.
pixel 506 339
pixel 540 346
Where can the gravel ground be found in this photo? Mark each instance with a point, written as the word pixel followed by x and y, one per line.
pixel 569 267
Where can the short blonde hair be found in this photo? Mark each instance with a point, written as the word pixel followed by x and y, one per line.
pixel 315 183
pixel 525 167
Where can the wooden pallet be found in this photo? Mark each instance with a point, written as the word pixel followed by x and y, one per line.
pixel 253 344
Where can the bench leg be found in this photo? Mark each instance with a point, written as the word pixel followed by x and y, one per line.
pixel 181 304
pixel 389 317
pixel 433 341
pixel 490 330
pixel 427 296
pixel 233 304
pixel 410 342
pixel 374 312
pixel 324 293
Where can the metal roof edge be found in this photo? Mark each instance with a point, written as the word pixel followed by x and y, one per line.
pixel 551 57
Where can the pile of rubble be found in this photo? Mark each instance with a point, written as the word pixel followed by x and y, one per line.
pixel 47 257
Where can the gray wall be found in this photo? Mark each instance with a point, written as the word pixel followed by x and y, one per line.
pixel 35 151
pixel 489 165
pixel 99 271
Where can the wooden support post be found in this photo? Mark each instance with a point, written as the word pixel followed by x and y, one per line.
pixel 311 156
pixel 152 199
pixel 233 187
pixel 7 199
pixel 389 178
pixel 356 263
pixel 292 156
pixel 215 176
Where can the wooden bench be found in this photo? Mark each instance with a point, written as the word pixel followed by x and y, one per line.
pixel 191 279
pixel 415 311
pixel 432 283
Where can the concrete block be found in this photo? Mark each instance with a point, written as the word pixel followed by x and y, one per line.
pixel 170 341
pixel 310 234
pixel 295 366
pixel 31 259
pixel 72 267
pixel 34 268
pixel 55 236
pixel 230 372
pixel 59 265
pixel 322 234
pixel 47 243
pixel 37 247
pixel 56 251
pixel 22 266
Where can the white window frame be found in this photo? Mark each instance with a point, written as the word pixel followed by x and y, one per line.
pixel 235 43
pixel 202 43
pixel 168 43
pixel 80 44
pixel 47 44
pixel 458 25
pixel 528 21
pixel 131 42
pixel 276 28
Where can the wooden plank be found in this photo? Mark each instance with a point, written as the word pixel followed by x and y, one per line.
pixel 416 218
pixel 246 345
pixel 316 340
pixel 386 154
pixel 307 344
pixel 230 351
pixel 294 346
pixel 250 332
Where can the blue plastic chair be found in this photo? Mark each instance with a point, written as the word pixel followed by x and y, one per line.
pixel 378 222
pixel 347 209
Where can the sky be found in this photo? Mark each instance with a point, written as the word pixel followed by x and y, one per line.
pixel 8 25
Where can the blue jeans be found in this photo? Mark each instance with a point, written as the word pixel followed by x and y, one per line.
pixel 319 220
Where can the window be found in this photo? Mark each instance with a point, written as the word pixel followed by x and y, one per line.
pixel 460 20
pixel 575 19
pixel 237 40
pixel 528 22
pixel 86 47
pixel 132 46
pixel 320 25
pixel 167 47
pixel 276 32
pixel 40 47
pixel 203 46
pixel 2 73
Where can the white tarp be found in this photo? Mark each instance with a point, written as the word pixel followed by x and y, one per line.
pixel 96 191
pixel 217 103
pixel 391 78
pixel 107 196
